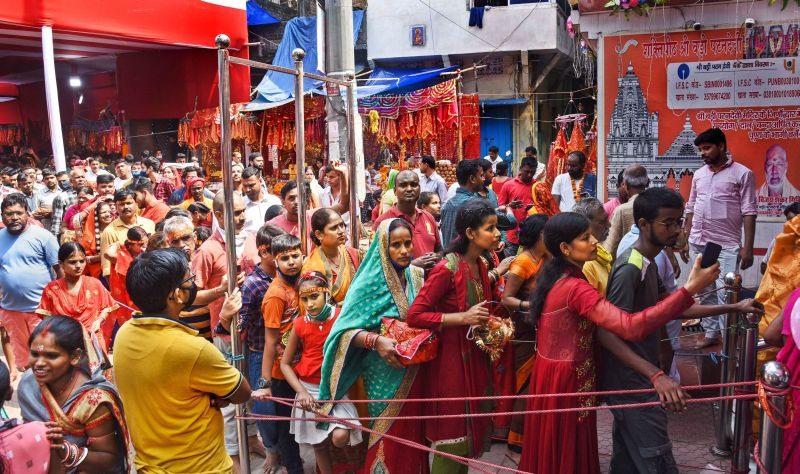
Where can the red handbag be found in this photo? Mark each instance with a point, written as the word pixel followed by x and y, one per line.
pixel 414 345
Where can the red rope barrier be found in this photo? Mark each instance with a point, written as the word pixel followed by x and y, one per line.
pixel 493 414
pixel 527 395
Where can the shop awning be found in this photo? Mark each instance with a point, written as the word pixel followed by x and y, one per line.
pixel 257 16
pixel 405 80
pixel 300 32
pixel 495 102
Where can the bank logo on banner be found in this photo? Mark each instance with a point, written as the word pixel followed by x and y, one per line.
pixel 683 71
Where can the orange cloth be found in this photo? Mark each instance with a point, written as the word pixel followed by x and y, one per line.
pixel 557 164
pixel 543 202
pixel 156 212
pixel 116 281
pixel 84 306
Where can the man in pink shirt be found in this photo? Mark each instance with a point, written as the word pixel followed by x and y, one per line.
pixel 287 220
pixel 722 201
pixel 518 195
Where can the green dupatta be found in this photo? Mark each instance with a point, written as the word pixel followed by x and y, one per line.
pixel 374 293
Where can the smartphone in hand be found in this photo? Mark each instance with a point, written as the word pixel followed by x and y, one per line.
pixel 710 254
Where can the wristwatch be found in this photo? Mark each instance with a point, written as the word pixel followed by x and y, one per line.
pixel 264 383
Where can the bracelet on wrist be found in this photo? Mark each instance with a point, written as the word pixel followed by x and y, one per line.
pixel 656 375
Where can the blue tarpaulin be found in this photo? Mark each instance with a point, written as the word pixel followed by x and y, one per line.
pixel 258 16
pixel 402 81
pixel 300 32
pixel 490 102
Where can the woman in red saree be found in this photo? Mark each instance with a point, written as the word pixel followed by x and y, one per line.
pixel 453 299
pixel 96 221
pixel 76 295
pixel 566 309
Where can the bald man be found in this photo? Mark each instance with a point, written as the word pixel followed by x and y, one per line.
pixel 775 167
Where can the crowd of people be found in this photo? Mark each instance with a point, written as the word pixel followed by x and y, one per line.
pixel 130 265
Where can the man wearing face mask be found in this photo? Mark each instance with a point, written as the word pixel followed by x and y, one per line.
pixel 210 266
pixel 186 378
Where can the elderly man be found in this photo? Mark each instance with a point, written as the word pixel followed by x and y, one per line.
pixel 28 256
pixel 597 270
pixel 635 181
pixel 775 167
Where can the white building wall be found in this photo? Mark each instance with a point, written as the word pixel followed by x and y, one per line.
pixel 532 26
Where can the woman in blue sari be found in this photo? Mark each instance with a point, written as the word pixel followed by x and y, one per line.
pixel 65 388
pixel 384 286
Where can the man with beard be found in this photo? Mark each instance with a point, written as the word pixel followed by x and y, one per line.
pixel 425 231
pixel 575 184
pixel 256 200
pixel 596 271
pixel 28 255
pixel 117 230
pixel 287 220
pixel 641 441
pixel 67 198
pixel 722 202
pixel 151 207
pixel 488 174
pixel 210 266
pixel 517 194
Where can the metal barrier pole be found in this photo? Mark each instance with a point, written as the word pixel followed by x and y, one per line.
pixel 355 233
pixel 722 447
pixel 743 431
pixel 222 42
pixel 300 144
pixel 774 375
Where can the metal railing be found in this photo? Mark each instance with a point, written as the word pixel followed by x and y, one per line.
pixel 224 60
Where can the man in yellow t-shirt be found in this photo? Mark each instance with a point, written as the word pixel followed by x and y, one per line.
pixel 171 381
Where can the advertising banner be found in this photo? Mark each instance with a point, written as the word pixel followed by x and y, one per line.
pixel 661 90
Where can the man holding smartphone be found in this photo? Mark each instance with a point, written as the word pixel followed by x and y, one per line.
pixel 722 201
pixel 517 194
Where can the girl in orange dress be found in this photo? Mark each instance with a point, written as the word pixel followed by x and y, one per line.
pixel 76 295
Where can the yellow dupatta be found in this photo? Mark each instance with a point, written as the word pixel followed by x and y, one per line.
pixel 318 262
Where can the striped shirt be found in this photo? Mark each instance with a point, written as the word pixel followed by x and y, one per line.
pixel 251 323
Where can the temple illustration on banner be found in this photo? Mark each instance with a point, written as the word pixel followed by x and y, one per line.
pixel 633 138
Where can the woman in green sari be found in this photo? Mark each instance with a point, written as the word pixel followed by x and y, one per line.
pixel 384 286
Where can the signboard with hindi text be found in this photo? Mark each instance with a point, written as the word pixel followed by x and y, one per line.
pixel 733 83
pixel 662 89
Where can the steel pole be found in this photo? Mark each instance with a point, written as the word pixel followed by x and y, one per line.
pixel 300 144
pixel 743 431
pixel 352 162
pixel 775 376
pixel 222 42
pixel 722 447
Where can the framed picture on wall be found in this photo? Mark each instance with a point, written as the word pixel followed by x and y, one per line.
pixel 418 35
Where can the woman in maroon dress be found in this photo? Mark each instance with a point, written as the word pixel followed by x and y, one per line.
pixel 567 309
pixel 454 298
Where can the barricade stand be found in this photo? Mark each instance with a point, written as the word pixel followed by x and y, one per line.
pixel 743 430
pixel 224 60
pixel 775 380
pixel 722 447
